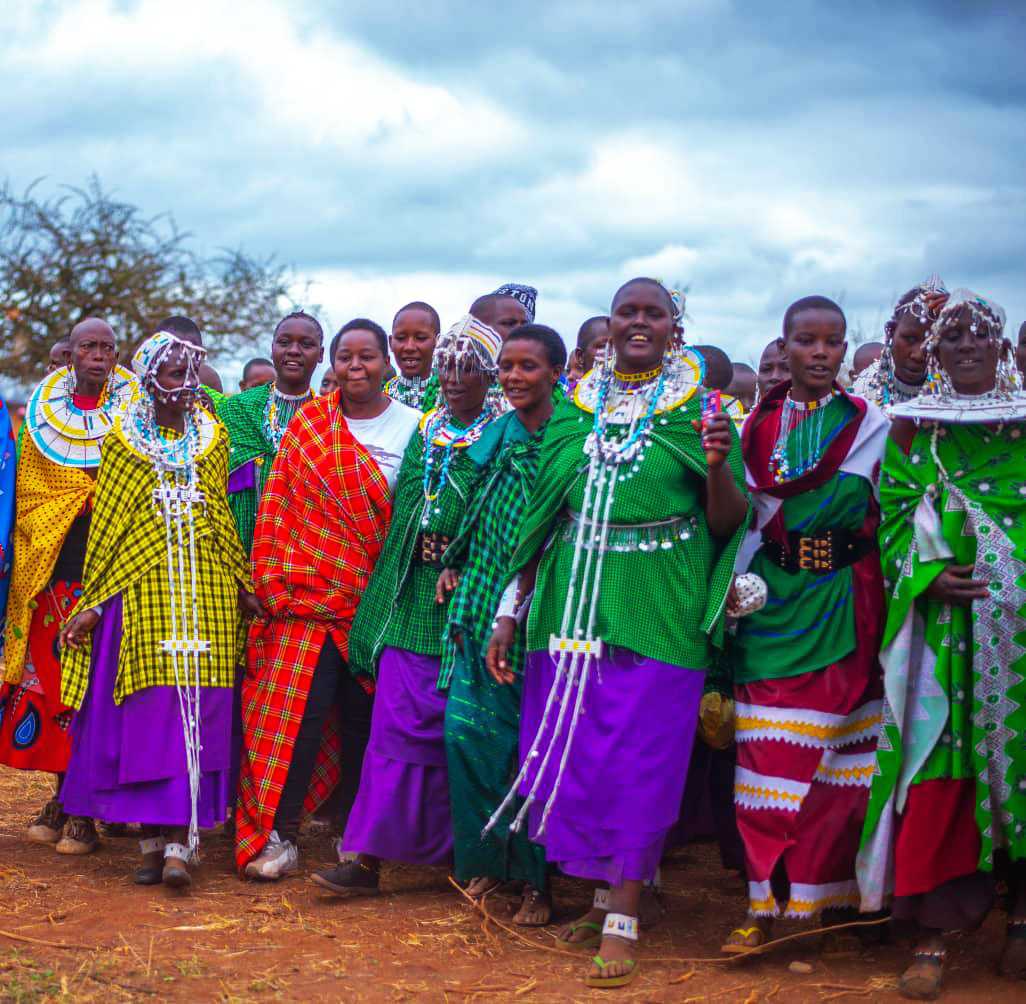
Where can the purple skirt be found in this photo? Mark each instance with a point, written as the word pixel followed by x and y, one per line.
pixel 401 812
pixel 128 761
pixel 623 781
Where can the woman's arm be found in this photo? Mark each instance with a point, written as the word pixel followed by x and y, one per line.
pixel 725 505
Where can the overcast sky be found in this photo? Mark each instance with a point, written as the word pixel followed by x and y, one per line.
pixel 390 152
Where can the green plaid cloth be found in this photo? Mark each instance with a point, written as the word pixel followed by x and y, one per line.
pixel 398 609
pixel 484 544
pixel 127 554
pixel 664 604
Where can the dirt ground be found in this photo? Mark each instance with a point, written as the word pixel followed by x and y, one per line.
pixel 75 928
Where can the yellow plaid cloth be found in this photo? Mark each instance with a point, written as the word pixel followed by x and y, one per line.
pixel 127 554
pixel 48 497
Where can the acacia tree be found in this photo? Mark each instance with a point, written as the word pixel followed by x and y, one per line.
pixel 83 253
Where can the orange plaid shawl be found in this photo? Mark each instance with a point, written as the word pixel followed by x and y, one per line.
pixel 321 525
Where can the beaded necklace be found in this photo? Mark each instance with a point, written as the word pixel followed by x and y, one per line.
pixel 810 437
pixel 441 437
pixel 628 447
pixel 407 390
pixel 279 411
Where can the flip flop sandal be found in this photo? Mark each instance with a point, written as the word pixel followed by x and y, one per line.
pixel 617 925
pixel 611 982
pixel 600 901
pixel 748 945
pixel 578 925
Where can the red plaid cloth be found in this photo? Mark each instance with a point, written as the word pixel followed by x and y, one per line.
pixel 322 522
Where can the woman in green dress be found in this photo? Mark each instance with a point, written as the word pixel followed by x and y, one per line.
pixel 948 798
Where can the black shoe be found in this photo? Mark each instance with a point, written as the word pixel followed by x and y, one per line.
pixel 349 878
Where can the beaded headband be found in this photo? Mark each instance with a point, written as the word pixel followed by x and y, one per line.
pixel 918 306
pixel 470 344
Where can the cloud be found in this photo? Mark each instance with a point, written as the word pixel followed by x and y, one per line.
pixel 758 152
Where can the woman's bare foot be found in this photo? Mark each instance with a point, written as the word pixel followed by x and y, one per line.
pixel 535 908
pixel 923 980
pixel 480 887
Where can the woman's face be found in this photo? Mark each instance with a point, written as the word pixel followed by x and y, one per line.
pixel 359 366
pixel 907 350
pixel 969 357
pixel 413 342
pixel 640 325
pixel 465 392
pixel 177 388
pixel 525 373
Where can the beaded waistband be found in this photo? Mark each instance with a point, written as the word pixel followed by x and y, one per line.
pixel 662 534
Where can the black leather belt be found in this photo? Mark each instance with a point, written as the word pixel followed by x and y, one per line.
pixel 429 549
pixel 824 552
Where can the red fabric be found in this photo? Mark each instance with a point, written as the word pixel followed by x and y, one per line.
pixel 84 402
pixel 34 724
pixel 938 838
pixel 819 844
pixel 759 436
pixel 322 523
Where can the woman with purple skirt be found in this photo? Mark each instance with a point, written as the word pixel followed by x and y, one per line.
pixel 401 811
pixel 150 652
pixel 628 549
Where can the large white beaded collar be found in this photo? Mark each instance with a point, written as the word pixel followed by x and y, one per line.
pixel 621 404
pixel 208 429
pixel 966 409
pixel 69 435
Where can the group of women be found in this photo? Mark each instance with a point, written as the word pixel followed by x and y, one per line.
pixel 477 619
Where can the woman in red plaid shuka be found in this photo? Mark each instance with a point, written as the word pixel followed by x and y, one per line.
pixel 322 522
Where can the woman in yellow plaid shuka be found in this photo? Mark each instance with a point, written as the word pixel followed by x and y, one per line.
pixel 152 647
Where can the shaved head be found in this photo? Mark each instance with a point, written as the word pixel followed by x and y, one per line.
pixel 90 326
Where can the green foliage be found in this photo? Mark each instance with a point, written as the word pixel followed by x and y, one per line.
pixel 85 254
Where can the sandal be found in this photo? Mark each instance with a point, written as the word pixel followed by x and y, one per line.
pixel 175 874
pixel 1013 956
pixel 923 980
pixel 600 901
pixel 743 940
pixel 534 902
pixel 617 925
pixel 151 869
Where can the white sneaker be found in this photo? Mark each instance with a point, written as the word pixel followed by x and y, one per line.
pixel 278 858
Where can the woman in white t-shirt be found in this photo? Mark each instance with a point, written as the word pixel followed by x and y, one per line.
pixel 323 518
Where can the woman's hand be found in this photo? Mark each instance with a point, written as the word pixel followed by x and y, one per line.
pixel 954 587
pixel 715 430
pixel 497 658
pixel 250 604
pixel 447 582
pixel 74 634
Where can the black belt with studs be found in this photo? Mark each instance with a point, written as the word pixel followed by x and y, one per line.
pixel 826 551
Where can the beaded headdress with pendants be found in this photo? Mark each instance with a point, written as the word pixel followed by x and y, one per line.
pixel 941 402
pixel 878 382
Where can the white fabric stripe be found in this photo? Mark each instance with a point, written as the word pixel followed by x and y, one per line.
pixel 855 769
pixel 807 900
pixel 761 791
pixel 761 900
pixel 805 727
